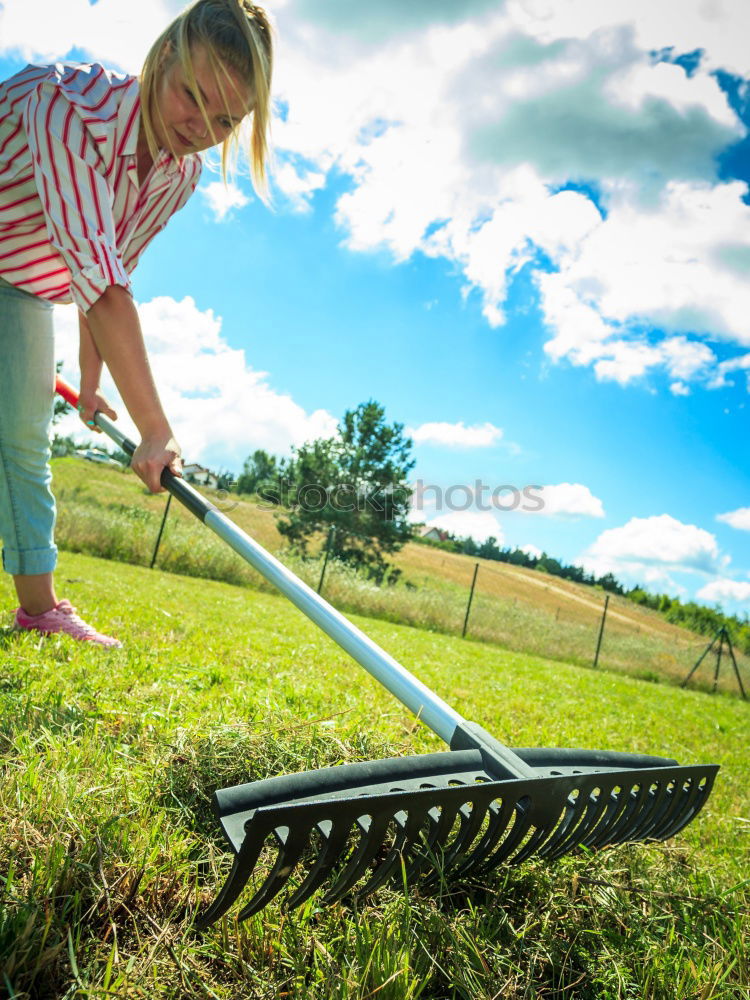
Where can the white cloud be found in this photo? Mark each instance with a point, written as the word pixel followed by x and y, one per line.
pixel 725 591
pixel 684 359
pixel 719 379
pixel 474 524
pixel 455 137
pixel 456 435
pixel 223 198
pixel 718 29
pixel 592 108
pixel 663 268
pixel 531 550
pixel 661 542
pixel 572 499
pixel 116 31
pixel 298 183
pixel 220 408
pixel 626 362
pixel 739 518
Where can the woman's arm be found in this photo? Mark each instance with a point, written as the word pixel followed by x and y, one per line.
pixel 90 398
pixel 116 336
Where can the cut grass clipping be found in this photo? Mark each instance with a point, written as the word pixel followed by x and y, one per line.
pixel 108 849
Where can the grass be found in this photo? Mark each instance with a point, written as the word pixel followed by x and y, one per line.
pixel 105 512
pixel 108 849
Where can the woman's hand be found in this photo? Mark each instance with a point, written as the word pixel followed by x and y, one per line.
pixel 88 403
pixel 152 455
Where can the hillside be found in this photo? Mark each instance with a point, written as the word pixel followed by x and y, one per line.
pixel 521 609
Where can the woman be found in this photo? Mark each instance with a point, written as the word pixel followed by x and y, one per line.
pixel 92 165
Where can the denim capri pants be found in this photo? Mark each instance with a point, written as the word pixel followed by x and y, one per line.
pixel 27 380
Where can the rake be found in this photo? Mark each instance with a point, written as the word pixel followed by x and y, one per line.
pixel 428 818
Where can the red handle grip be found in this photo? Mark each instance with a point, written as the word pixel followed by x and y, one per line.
pixel 68 393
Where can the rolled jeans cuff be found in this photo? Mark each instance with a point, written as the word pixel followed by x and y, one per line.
pixel 29 562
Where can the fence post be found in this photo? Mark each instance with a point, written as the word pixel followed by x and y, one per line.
pixel 331 532
pixel 161 531
pixel 601 632
pixel 718 658
pixel 471 595
pixel 734 663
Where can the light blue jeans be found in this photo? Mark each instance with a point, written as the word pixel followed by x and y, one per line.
pixel 27 381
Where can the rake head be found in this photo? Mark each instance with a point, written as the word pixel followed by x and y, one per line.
pixel 441 815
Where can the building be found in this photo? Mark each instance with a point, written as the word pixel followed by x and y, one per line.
pixel 199 476
pixel 433 534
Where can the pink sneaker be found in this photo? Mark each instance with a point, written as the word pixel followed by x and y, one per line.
pixel 63 618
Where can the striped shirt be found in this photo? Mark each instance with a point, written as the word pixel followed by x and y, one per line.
pixel 73 217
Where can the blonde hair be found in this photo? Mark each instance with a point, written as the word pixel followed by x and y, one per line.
pixel 236 35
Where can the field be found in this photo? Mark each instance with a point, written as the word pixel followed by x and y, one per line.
pixel 108 850
pixel 105 512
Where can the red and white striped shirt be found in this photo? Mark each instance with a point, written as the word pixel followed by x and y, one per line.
pixel 73 218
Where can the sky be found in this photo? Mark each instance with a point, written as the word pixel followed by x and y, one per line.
pixel 523 226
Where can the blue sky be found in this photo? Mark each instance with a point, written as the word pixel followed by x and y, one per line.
pixel 522 227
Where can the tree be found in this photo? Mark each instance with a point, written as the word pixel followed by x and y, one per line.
pixel 355 483
pixel 259 468
pixel 488 549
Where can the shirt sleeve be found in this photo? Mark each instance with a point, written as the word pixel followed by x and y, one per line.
pixel 75 195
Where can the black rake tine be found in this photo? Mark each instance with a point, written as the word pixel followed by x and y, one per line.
pixel 681 809
pixel 695 799
pixel 393 859
pixel 657 814
pixel 569 834
pixel 426 854
pixel 371 840
pixel 522 819
pixel 471 823
pixel 499 818
pixel 433 853
pixel 291 849
pixel 596 822
pixel 242 868
pixel 418 849
pixel 566 832
pixel 335 840
pixel 628 820
pixel 635 801
pixel 628 824
pixel 529 847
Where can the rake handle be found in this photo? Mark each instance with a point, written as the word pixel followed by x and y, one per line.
pixel 427 706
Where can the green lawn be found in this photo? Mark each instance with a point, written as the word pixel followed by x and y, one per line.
pixel 108 848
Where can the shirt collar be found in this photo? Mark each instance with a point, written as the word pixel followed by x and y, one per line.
pixel 129 113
